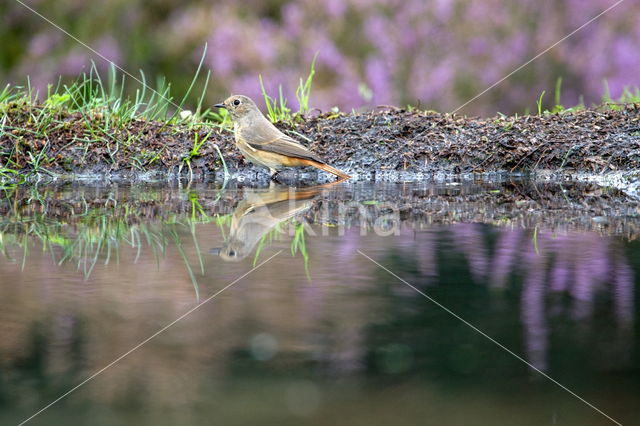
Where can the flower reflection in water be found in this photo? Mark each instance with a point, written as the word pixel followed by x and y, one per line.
pixel 573 276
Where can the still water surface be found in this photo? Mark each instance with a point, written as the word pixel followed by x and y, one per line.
pixel 319 333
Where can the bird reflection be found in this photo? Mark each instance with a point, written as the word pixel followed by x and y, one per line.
pixel 259 212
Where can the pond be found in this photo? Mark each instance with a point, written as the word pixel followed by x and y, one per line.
pixel 503 301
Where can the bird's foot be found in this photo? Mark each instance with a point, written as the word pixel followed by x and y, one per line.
pixel 274 177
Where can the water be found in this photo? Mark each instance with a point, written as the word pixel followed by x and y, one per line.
pixel 298 325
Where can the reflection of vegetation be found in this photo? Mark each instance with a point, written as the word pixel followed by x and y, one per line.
pixel 94 234
pixel 550 297
pixel 99 232
pixel 86 232
pixel 88 226
pixel 223 222
pixel 298 244
pixel 264 240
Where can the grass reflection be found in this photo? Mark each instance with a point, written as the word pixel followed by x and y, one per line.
pixel 97 234
pixel 87 226
pixel 90 227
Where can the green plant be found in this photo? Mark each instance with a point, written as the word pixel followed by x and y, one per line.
pixel 193 82
pixel 557 107
pixel 277 109
pixel 197 144
pixel 630 95
pixel 304 88
pixel 7 94
pixel 224 163
pixel 8 178
pixel 195 152
pixel 539 103
pixel 56 100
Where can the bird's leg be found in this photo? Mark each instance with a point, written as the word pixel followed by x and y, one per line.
pixel 274 175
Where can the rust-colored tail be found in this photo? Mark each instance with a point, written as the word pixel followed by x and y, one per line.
pixel 328 168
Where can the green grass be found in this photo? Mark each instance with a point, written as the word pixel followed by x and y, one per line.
pixel 539 102
pixel 104 111
pixel 101 109
pixel 303 92
pixel 277 109
pixel 198 142
pixel 106 114
pixel 628 96
pixel 106 118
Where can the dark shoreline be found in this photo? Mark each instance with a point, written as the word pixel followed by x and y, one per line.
pixel 387 144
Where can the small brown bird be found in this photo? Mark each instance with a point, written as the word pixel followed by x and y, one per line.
pixel 259 212
pixel 263 144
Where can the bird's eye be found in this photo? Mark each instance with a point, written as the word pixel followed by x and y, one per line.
pixel 236 102
pixel 232 253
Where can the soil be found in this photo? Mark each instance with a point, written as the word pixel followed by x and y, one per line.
pixel 385 144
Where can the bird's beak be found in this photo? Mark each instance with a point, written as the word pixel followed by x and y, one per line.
pixel 220 106
pixel 215 251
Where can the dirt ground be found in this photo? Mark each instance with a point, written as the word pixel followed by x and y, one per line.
pixel 369 145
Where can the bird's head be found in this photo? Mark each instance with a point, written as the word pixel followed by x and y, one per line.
pixel 232 250
pixel 239 106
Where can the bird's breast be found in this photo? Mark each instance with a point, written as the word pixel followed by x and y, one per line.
pixel 259 157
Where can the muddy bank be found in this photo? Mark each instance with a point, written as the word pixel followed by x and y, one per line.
pixel 387 144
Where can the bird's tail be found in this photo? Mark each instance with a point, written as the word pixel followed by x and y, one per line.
pixel 328 168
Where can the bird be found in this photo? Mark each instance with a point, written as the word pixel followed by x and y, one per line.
pixel 264 145
pixel 259 212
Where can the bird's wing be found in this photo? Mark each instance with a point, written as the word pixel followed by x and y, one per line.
pixel 285 145
pixel 273 140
